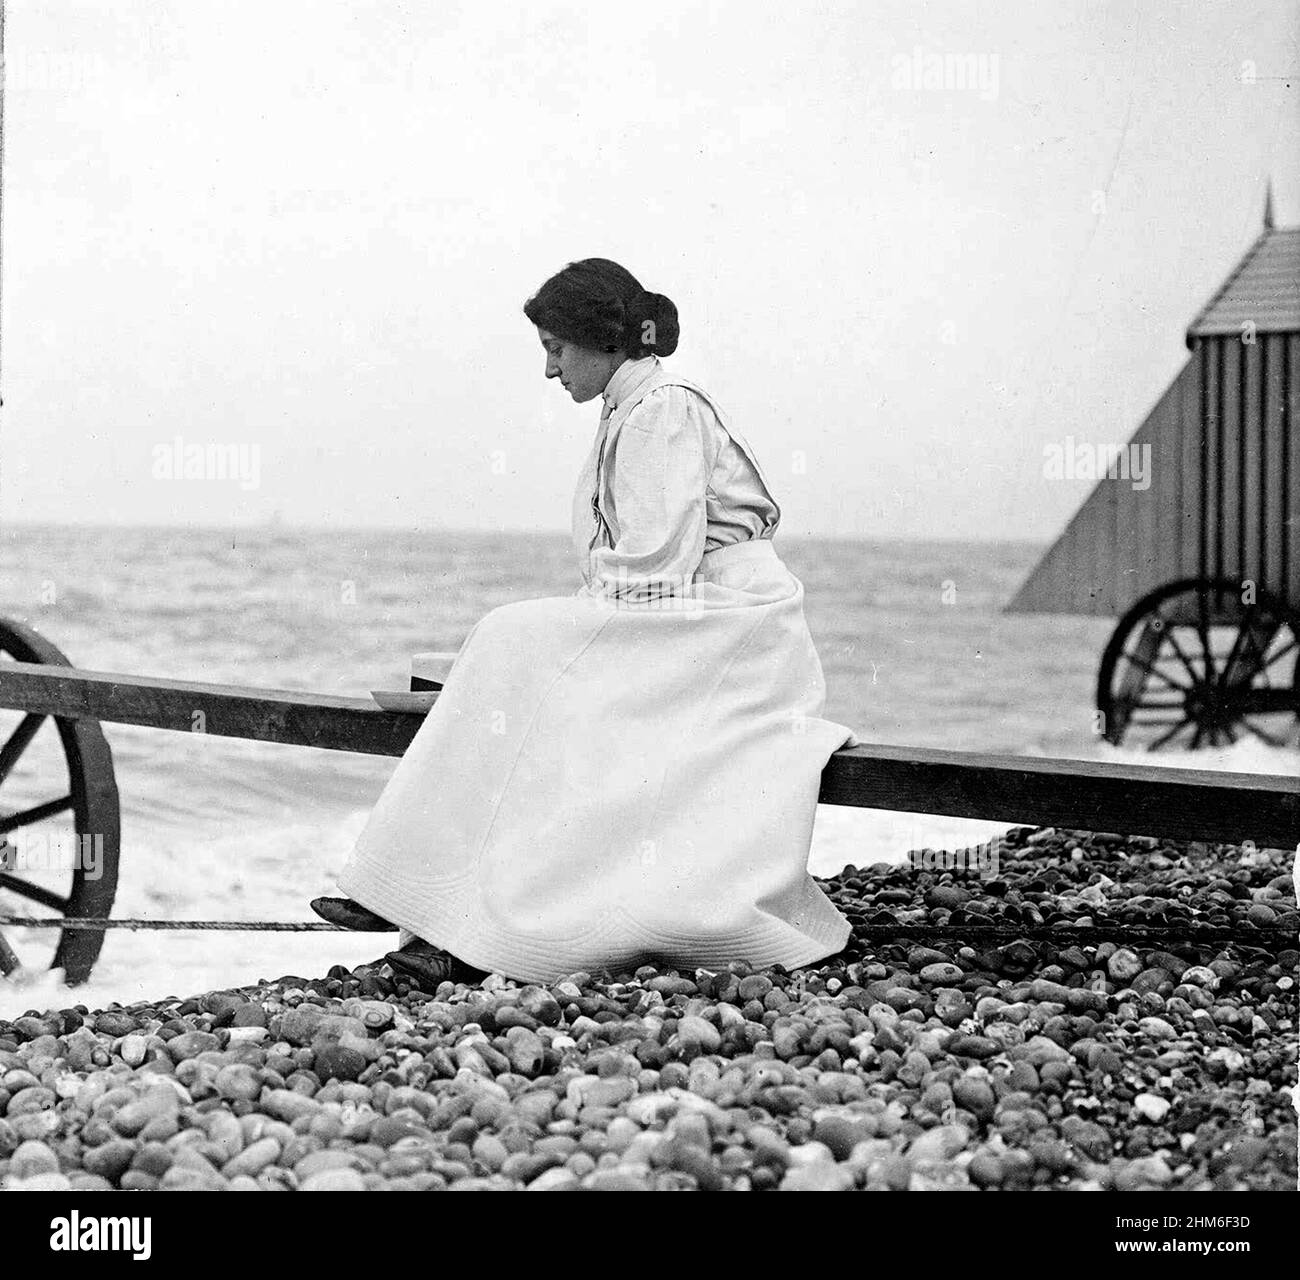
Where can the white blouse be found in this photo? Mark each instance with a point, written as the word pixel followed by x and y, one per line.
pixel 673 486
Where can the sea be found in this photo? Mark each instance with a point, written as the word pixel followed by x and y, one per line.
pixel 913 637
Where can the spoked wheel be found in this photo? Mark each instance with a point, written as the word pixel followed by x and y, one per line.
pixel 1194 665
pixel 60 837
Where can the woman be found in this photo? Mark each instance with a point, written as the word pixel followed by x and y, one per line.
pixel 628 775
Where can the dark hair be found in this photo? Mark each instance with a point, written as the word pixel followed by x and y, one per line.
pixel 596 303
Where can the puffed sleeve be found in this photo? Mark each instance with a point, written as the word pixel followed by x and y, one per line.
pixel 656 475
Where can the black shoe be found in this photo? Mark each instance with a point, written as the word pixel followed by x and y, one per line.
pixel 428 966
pixel 351 915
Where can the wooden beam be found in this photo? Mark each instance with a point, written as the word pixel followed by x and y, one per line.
pixel 1086 795
pixel 290 716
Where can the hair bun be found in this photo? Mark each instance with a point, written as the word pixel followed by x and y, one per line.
pixel 600 305
pixel 652 325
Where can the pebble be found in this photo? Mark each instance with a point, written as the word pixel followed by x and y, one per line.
pixel 238 1082
pixel 1150 1173
pixel 969 1046
pixel 1156 1029
pixel 698 1035
pixel 948 897
pixel 253 1159
pixel 324 1161
pixel 191 1044
pixel 334 1180
pixel 819 1176
pixel 134 1049
pixel 32 1159
pixel 941 973
pixel 975 1096
pixel 839 1134
pixel 985 1170
pixel 953 1066
pixel 1151 1107
pixel 338 1062
pixel 940 1143
pixel 1125 966
pixel 110 1159
pixel 156 1103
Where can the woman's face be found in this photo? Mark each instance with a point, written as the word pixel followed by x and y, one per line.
pixel 583 372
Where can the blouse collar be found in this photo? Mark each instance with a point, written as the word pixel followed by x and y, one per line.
pixel 628 378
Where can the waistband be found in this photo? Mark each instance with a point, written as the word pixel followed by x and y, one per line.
pixel 737 552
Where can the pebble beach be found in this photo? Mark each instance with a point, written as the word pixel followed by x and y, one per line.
pixel 975 1034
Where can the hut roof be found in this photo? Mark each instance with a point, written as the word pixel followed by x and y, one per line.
pixel 1263 290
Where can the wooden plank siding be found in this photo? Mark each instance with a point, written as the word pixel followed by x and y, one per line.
pixel 1054 586
pixel 1252 568
pixel 1184 527
pixel 1131 505
pixel 1211 523
pixel 1273 431
pixel 1290 480
pixel 1103 564
pixel 1185 804
pixel 1234 420
pixel 1191 544
pixel 1083 567
pixel 1164 425
pixel 1119 528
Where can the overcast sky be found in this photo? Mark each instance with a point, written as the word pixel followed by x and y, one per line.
pixel 911 244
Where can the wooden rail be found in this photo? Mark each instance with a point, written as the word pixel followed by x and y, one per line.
pixel 290 716
pixel 1184 804
pixel 1085 795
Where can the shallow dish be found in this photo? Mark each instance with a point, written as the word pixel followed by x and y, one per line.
pixel 400 700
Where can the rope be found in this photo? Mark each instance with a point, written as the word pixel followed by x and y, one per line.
pixel 91 922
pixel 1264 936
pixel 1065 934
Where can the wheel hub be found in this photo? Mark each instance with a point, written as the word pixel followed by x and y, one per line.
pixel 1210 707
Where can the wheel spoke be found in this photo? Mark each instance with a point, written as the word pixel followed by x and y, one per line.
pixel 46 897
pixel 1259 733
pixel 1262 661
pixel 1244 629
pixel 1197 676
pixel 1225 658
pixel 1203 630
pixel 1281 653
pixel 24 819
pixel 9 962
pixel 1160 742
pixel 18 743
pixel 91 805
pixel 1152 671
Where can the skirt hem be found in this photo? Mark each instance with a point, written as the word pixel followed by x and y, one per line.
pixel 484 946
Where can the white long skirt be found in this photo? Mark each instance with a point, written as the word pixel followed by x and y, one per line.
pixel 603 786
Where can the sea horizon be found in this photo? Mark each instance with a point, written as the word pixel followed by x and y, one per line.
pixel 289 526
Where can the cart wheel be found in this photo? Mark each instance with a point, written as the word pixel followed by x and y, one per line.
pixel 1191 665
pixel 65 860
